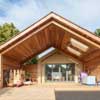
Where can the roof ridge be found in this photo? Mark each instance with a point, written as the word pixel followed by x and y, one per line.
pixel 43 20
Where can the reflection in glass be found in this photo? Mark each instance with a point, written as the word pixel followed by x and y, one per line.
pixel 60 72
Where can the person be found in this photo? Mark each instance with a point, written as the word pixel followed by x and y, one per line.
pixel 6 78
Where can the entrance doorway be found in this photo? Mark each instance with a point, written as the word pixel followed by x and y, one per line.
pixel 59 72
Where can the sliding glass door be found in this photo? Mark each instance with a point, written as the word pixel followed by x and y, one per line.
pixel 59 72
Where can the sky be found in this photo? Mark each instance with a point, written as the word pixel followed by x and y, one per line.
pixel 23 13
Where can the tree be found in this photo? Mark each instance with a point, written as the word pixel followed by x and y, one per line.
pixel 7 31
pixel 97 32
pixel 33 60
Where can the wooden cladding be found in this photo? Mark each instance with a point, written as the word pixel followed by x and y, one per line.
pixel 32 69
pixel 51 33
pixel 9 63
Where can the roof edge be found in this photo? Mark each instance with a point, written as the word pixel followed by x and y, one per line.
pixel 43 20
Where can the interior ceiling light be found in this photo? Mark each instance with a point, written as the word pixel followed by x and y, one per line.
pixel 79 45
pixel 73 51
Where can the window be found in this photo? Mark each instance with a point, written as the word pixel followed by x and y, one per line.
pixel 60 72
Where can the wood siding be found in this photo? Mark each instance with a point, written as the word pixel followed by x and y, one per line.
pixel 96 72
pixel 9 63
pixel 33 70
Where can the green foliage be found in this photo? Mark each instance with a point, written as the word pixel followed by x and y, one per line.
pixel 27 75
pixel 7 31
pixel 97 32
pixel 31 61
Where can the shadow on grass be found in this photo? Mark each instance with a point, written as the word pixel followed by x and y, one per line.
pixel 5 90
pixel 77 95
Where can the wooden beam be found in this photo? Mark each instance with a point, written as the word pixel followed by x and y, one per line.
pixel 60 33
pixel 70 55
pixel 13 59
pixel 57 19
pixel 77 29
pixel 48 55
pixel 1 71
pixel 25 38
pixel 90 57
pixel 77 35
pixel 47 36
pixel 93 62
pixel 77 49
pixel 33 55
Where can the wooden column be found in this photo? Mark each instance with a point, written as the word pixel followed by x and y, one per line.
pixel 1 71
pixel 43 73
pixel 39 74
pixel 84 67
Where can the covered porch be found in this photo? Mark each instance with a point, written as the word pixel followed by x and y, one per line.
pixel 73 41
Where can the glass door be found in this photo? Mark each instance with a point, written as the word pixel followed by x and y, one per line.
pixel 60 72
pixel 70 72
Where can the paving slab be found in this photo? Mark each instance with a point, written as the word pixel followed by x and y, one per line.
pixel 47 92
pixel 27 93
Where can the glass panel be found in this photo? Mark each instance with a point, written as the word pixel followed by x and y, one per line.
pixel 55 67
pixel 60 72
pixel 63 71
pixel 48 71
pixel 79 45
pixel 56 74
pixel 70 72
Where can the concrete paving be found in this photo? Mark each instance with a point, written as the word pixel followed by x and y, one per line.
pixel 51 92
pixel 27 93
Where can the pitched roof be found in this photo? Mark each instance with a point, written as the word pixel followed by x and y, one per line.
pixel 53 17
pixel 52 30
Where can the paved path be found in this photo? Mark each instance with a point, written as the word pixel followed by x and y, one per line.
pixel 77 95
pixel 27 93
pixel 48 92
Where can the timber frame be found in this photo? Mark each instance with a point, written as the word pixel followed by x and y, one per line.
pixel 51 31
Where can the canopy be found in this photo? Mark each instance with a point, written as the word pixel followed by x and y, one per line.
pixel 53 31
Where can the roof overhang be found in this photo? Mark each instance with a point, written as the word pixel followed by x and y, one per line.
pixel 52 30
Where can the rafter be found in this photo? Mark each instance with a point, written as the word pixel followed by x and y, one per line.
pixel 52 30
pixel 33 55
pixel 77 49
pixel 92 55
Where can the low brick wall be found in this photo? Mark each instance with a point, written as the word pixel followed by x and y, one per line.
pixel 33 70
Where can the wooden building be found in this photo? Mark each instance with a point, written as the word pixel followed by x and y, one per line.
pixel 75 48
